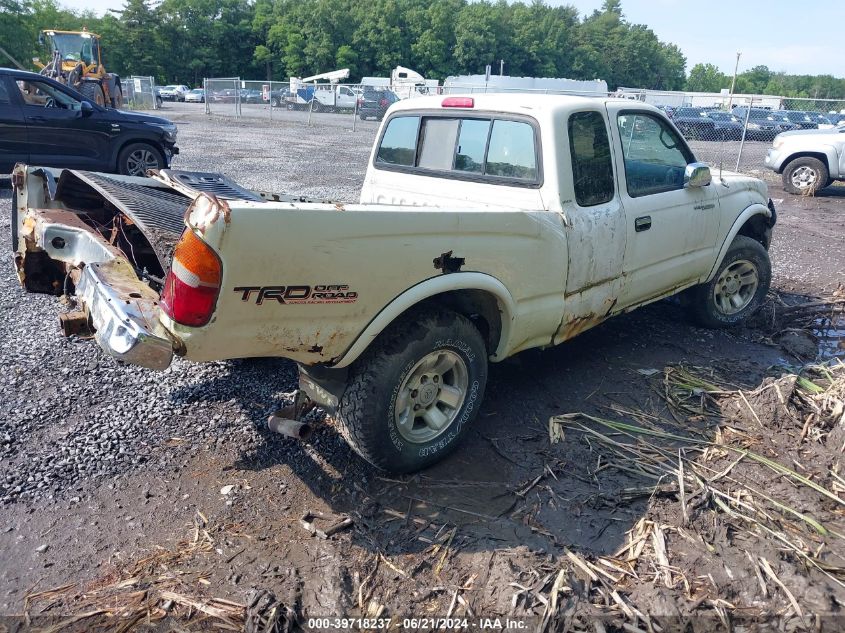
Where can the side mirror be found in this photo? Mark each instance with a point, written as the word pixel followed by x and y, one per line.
pixel 697 175
pixel 86 108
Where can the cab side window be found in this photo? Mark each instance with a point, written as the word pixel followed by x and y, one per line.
pixel 592 167
pixel 655 156
pixel 43 95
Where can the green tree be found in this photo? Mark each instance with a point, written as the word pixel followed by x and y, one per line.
pixel 707 78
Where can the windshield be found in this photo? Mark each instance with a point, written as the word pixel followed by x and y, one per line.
pixel 74 47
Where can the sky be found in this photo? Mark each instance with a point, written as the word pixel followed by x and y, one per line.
pixel 773 33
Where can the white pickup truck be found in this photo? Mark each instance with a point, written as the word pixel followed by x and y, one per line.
pixel 487 225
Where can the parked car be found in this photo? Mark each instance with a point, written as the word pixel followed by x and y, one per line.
pixel 763 125
pixel 227 95
pixel 492 237
pixel 727 126
pixel 803 120
pixel 174 93
pixel 197 95
pixel 694 123
pixel 47 123
pixel 837 119
pixel 250 96
pixel 375 102
pixel 808 160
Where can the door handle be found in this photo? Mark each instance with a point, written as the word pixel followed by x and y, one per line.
pixel 642 223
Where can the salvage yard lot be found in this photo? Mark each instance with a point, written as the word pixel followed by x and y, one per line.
pixel 116 481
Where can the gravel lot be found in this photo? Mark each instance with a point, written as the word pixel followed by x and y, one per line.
pixel 101 462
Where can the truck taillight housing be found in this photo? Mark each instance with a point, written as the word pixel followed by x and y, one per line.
pixel 458 102
pixel 192 284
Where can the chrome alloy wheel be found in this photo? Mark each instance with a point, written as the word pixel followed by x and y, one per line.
pixel 139 161
pixel 431 396
pixel 736 286
pixel 804 177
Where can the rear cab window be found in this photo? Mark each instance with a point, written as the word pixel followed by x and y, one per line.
pixel 477 147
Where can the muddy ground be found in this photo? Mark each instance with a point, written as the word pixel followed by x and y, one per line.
pixel 214 507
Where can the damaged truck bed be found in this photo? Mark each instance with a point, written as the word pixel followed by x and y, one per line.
pixel 108 240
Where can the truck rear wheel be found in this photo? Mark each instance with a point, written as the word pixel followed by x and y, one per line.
pixel 411 397
pixel 805 175
pixel 737 289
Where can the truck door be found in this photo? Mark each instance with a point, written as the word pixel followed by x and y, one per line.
pixel 13 140
pixel 595 223
pixel 671 229
pixel 60 133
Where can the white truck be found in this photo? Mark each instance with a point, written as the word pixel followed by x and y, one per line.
pixel 308 93
pixel 487 225
pixel 808 160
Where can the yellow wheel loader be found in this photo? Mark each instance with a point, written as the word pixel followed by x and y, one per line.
pixel 76 61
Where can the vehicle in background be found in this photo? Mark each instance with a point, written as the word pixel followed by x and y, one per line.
pixel 726 125
pixel 174 93
pixel 250 96
pixel 227 95
pixel 310 93
pixel 837 119
pixel 51 124
pixel 280 98
pixel 76 60
pixel 694 123
pixel 197 95
pixel 763 125
pixel 802 120
pixel 374 102
pixel 808 160
pixel 487 225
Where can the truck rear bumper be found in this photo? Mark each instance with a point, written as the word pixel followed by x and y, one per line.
pixel 123 315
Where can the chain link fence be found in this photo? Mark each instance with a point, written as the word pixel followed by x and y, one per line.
pixel 140 93
pixel 730 132
pixel 223 96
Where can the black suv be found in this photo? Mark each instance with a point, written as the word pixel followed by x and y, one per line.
pixel 375 102
pixel 43 122
pixel 763 125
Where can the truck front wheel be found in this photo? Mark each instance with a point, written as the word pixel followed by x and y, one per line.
pixel 411 397
pixel 737 289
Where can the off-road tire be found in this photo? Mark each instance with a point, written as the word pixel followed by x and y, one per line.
pixel 93 92
pixel 132 152
pixel 117 99
pixel 806 163
pixel 701 300
pixel 275 102
pixel 366 411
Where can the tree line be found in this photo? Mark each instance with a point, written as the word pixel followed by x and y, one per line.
pixel 182 41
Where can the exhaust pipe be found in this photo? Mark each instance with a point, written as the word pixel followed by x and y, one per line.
pixel 281 423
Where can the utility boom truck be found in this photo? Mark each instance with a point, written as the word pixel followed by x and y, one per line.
pixel 76 61
pixel 487 225
pixel 321 97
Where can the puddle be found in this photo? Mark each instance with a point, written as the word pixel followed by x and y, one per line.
pixel 830 333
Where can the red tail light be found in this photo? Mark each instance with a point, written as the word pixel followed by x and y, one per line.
pixel 193 282
pixel 382 102
pixel 360 102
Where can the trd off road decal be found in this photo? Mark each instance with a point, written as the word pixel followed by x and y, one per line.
pixel 328 293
